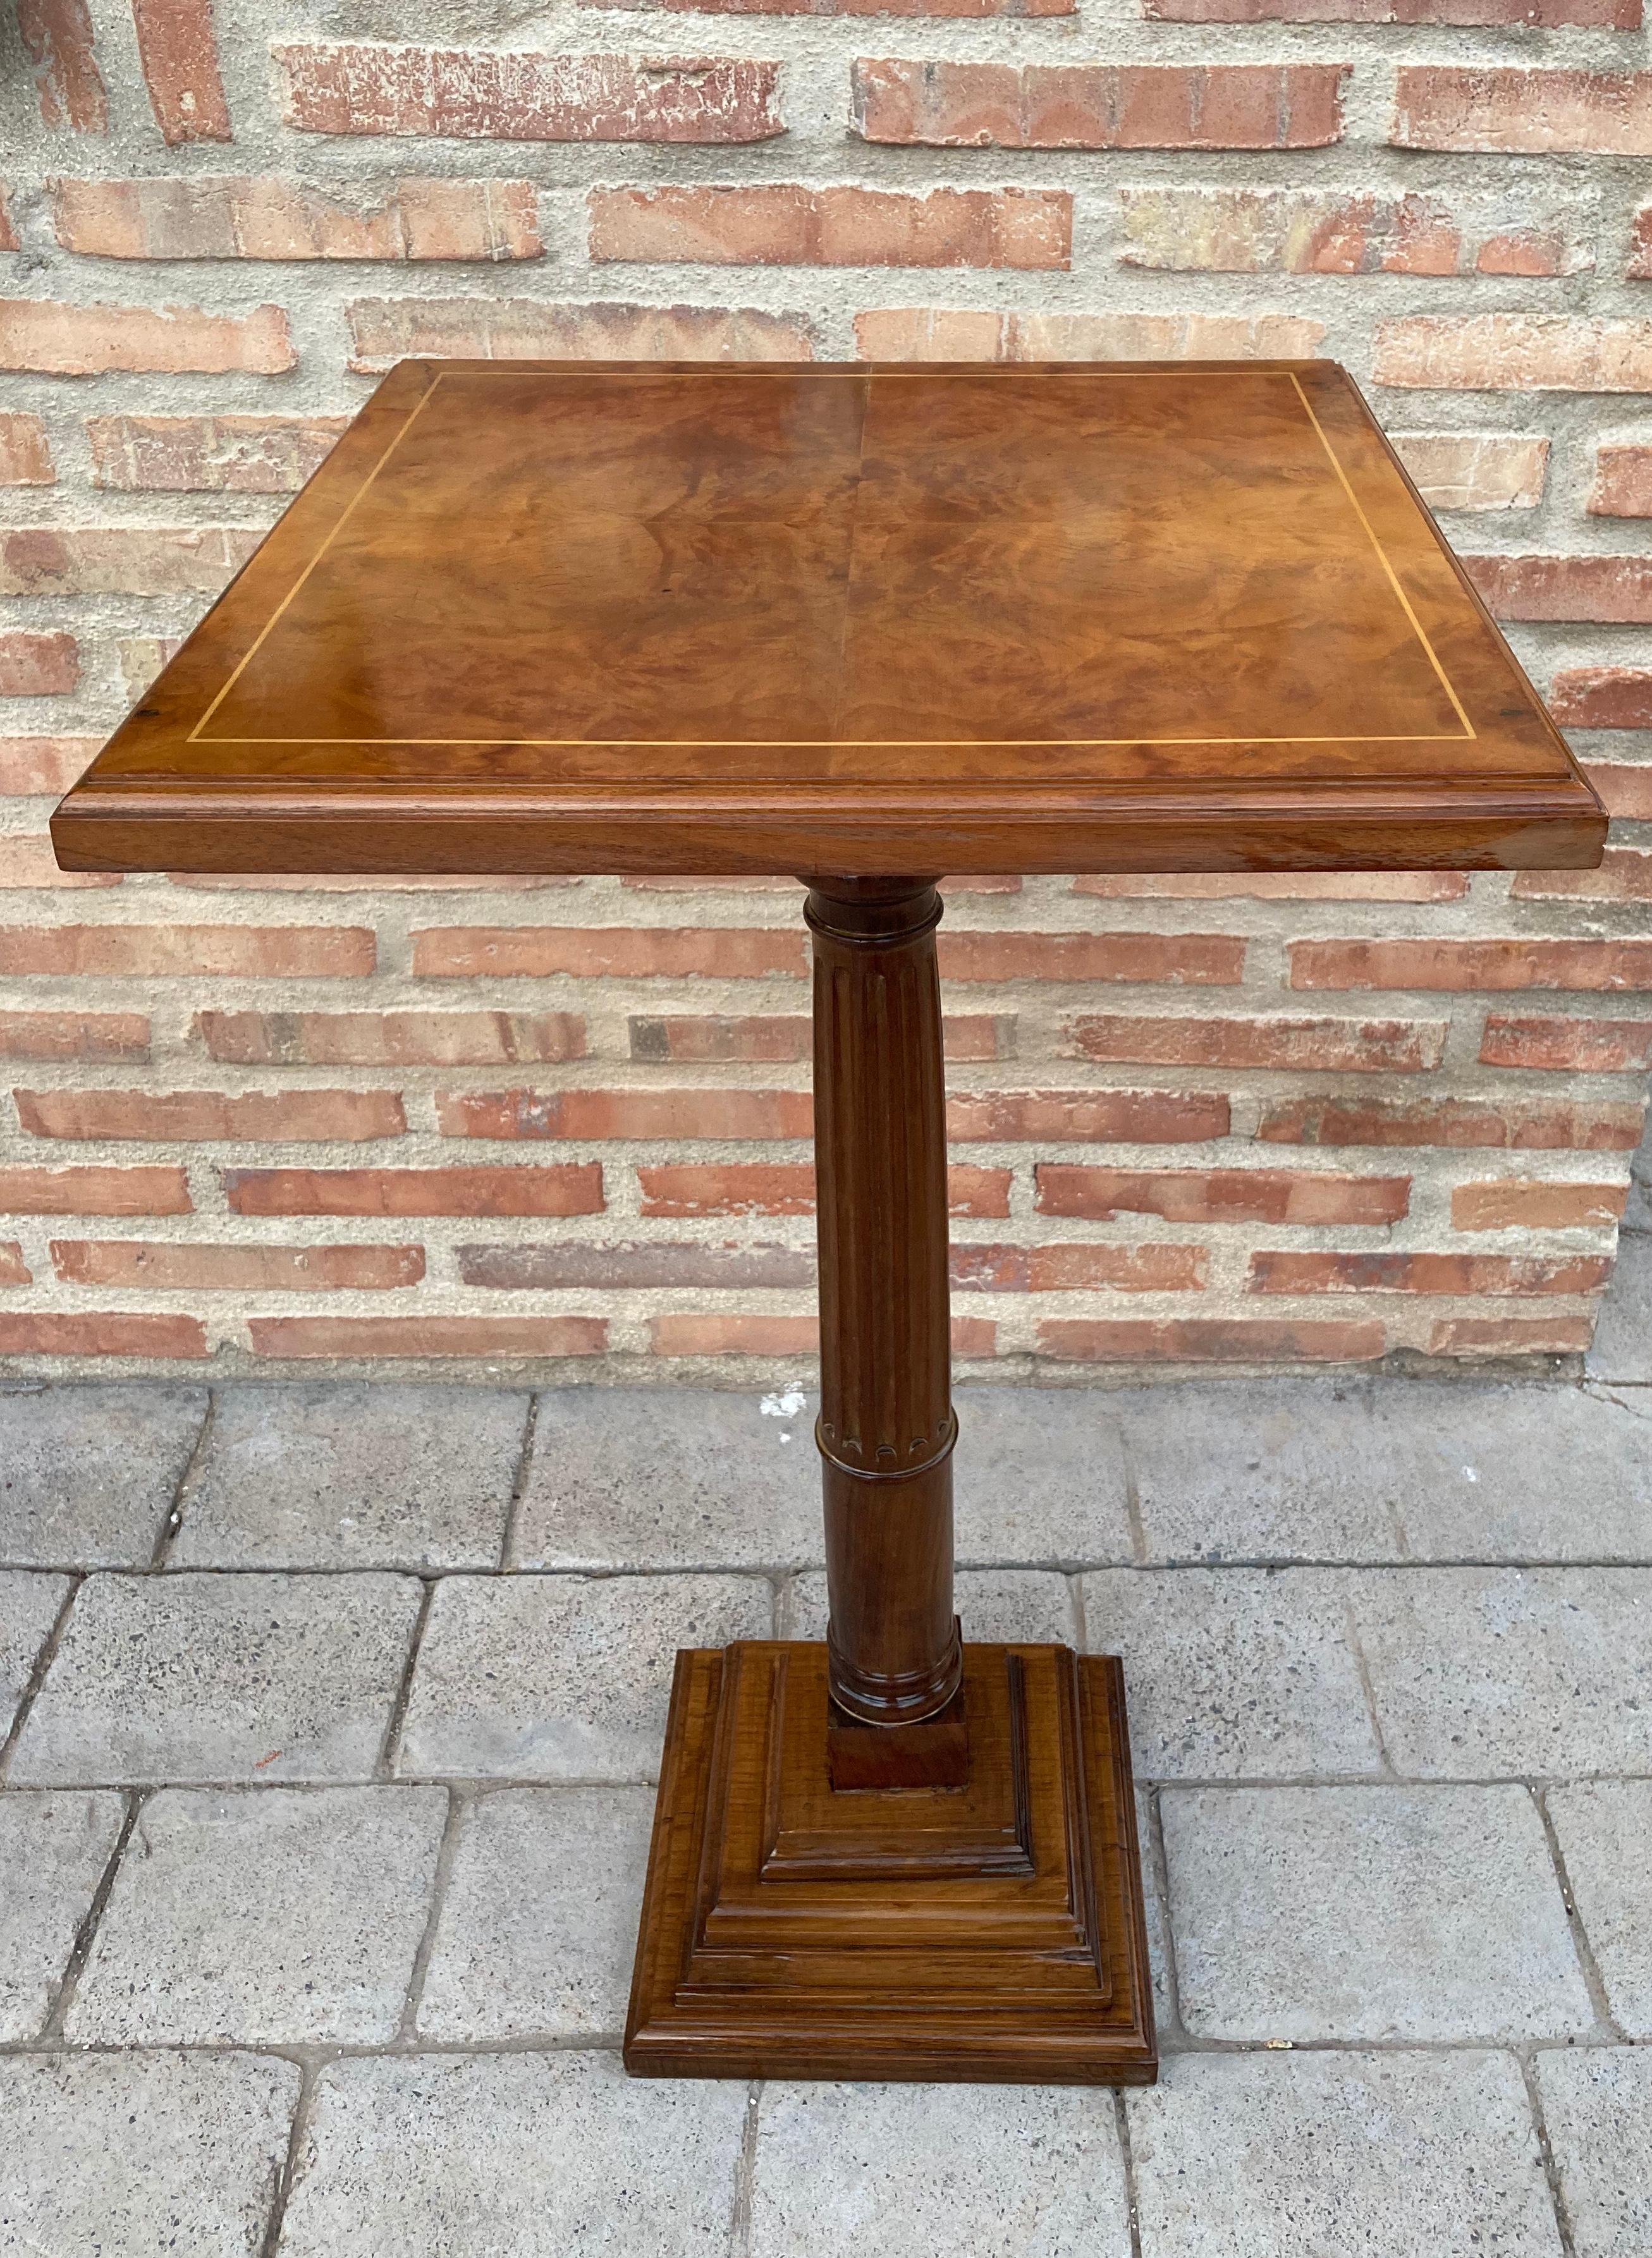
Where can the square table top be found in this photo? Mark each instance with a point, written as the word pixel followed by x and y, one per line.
pixel 724 617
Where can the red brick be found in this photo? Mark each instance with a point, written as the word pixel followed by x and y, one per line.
pixel 54 339
pixel 1498 1274
pixel 9 238
pixel 14 1271
pixel 598 1114
pixel 1209 1340
pixel 384 330
pixel 246 216
pixel 1602 698
pixel 1625 875
pixel 390 1038
pixel 1514 353
pixel 487 94
pixel 1184 959
pixel 1219 1194
pixel 514 1268
pixel 174 1266
pixel 45 766
pixel 1640 267
pixel 565 1189
pixel 1452 1121
pixel 433 1337
pixel 1514 1203
pixel 924 8
pixel 1075 1266
pixel 1605 113
pixel 787 1188
pixel 1623 480
pixel 734 1336
pixel 58 40
pixel 1278 886
pixel 1615 589
pixel 43 1333
pixel 134 952
pixel 74 1035
pixel 936 333
pixel 25 457
pixel 39 665
pixel 1606 15
pixel 959 105
pixel 1130 1117
pixel 1568 1046
pixel 530 952
pixel 123 560
pixel 771 1039
pixel 28 863
pixel 307 1117
pixel 776 225
pixel 1340 231
pixel 209 454
pixel 1493 964
pixel 1475 470
pixel 178 48
pixel 1511 1336
pixel 93 1191
pixel 1293 1046
pixel 1624 787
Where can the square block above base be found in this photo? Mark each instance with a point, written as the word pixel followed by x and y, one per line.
pixel 988 1932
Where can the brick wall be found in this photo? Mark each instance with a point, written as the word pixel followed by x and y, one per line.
pixel 1291 1120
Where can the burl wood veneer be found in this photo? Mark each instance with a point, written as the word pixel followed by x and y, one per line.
pixel 859 625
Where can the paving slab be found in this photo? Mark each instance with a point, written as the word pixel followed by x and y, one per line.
pixel 538 1928
pixel 515 2155
pixel 1604 1832
pixel 1038 1477
pixel 279 1916
pixel 908 2170
pixel 54 1848
pixel 29 1607
pixel 88 1474
pixel 1526 1672
pixel 199 1677
pixel 345 1475
pixel 1597 2108
pixel 671 1478
pixel 1622 1348
pixel 562 1677
pixel 1233 1672
pixel 1368 1913
pixel 1322 2156
pixel 111 2155
pixel 1028 1604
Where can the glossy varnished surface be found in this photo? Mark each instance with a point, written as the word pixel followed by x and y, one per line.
pixel 579 616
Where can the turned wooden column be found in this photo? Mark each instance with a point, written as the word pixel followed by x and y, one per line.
pixel 887 1427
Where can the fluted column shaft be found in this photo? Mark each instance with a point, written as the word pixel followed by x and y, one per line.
pixel 887 1427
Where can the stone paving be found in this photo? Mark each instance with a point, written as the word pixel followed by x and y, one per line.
pixel 331 1713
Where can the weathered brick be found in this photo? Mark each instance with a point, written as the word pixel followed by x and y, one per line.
pixel 1293 1046
pixel 513 1266
pixel 38 766
pixel 937 333
pixel 93 1191
pixel 1552 1046
pixel 624 1114
pixel 9 236
pixel 1209 1340
pixel 928 8
pixel 1623 480
pixel 1640 267
pixel 1453 1122
pixel 1275 885
pixel 1514 353
pixel 1078 1267
pixel 39 665
pixel 1625 788
pixel 1219 1194
pixel 623 952
pixel 169 1266
pixel 566 1189
pixel 787 1188
pixel 780 1038
pixel 1272 1272
pixel 1340 232
pixel 123 560
pixel 491 94
pixel 1487 963
pixel 50 338
pixel 390 1038
pixel 1624 875
pixel 1606 15
pixel 1128 1117
pixel 25 456
pixel 309 1117
pixel 135 952
pixel 54 1334
pixel 58 40
pixel 1183 959
pixel 14 1271
pixel 1616 589
pixel 141 659
pixel 384 330
pixel 428 1335
pixel 209 454
pixel 839 226
pixel 740 1335
pixel 1510 1336
pixel 1607 113
pixel 963 105
pixel 1516 1203
pixel 1602 698
pixel 28 863
pixel 74 1035
pixel 178 48
pixel 1475 470
pixel 243 215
